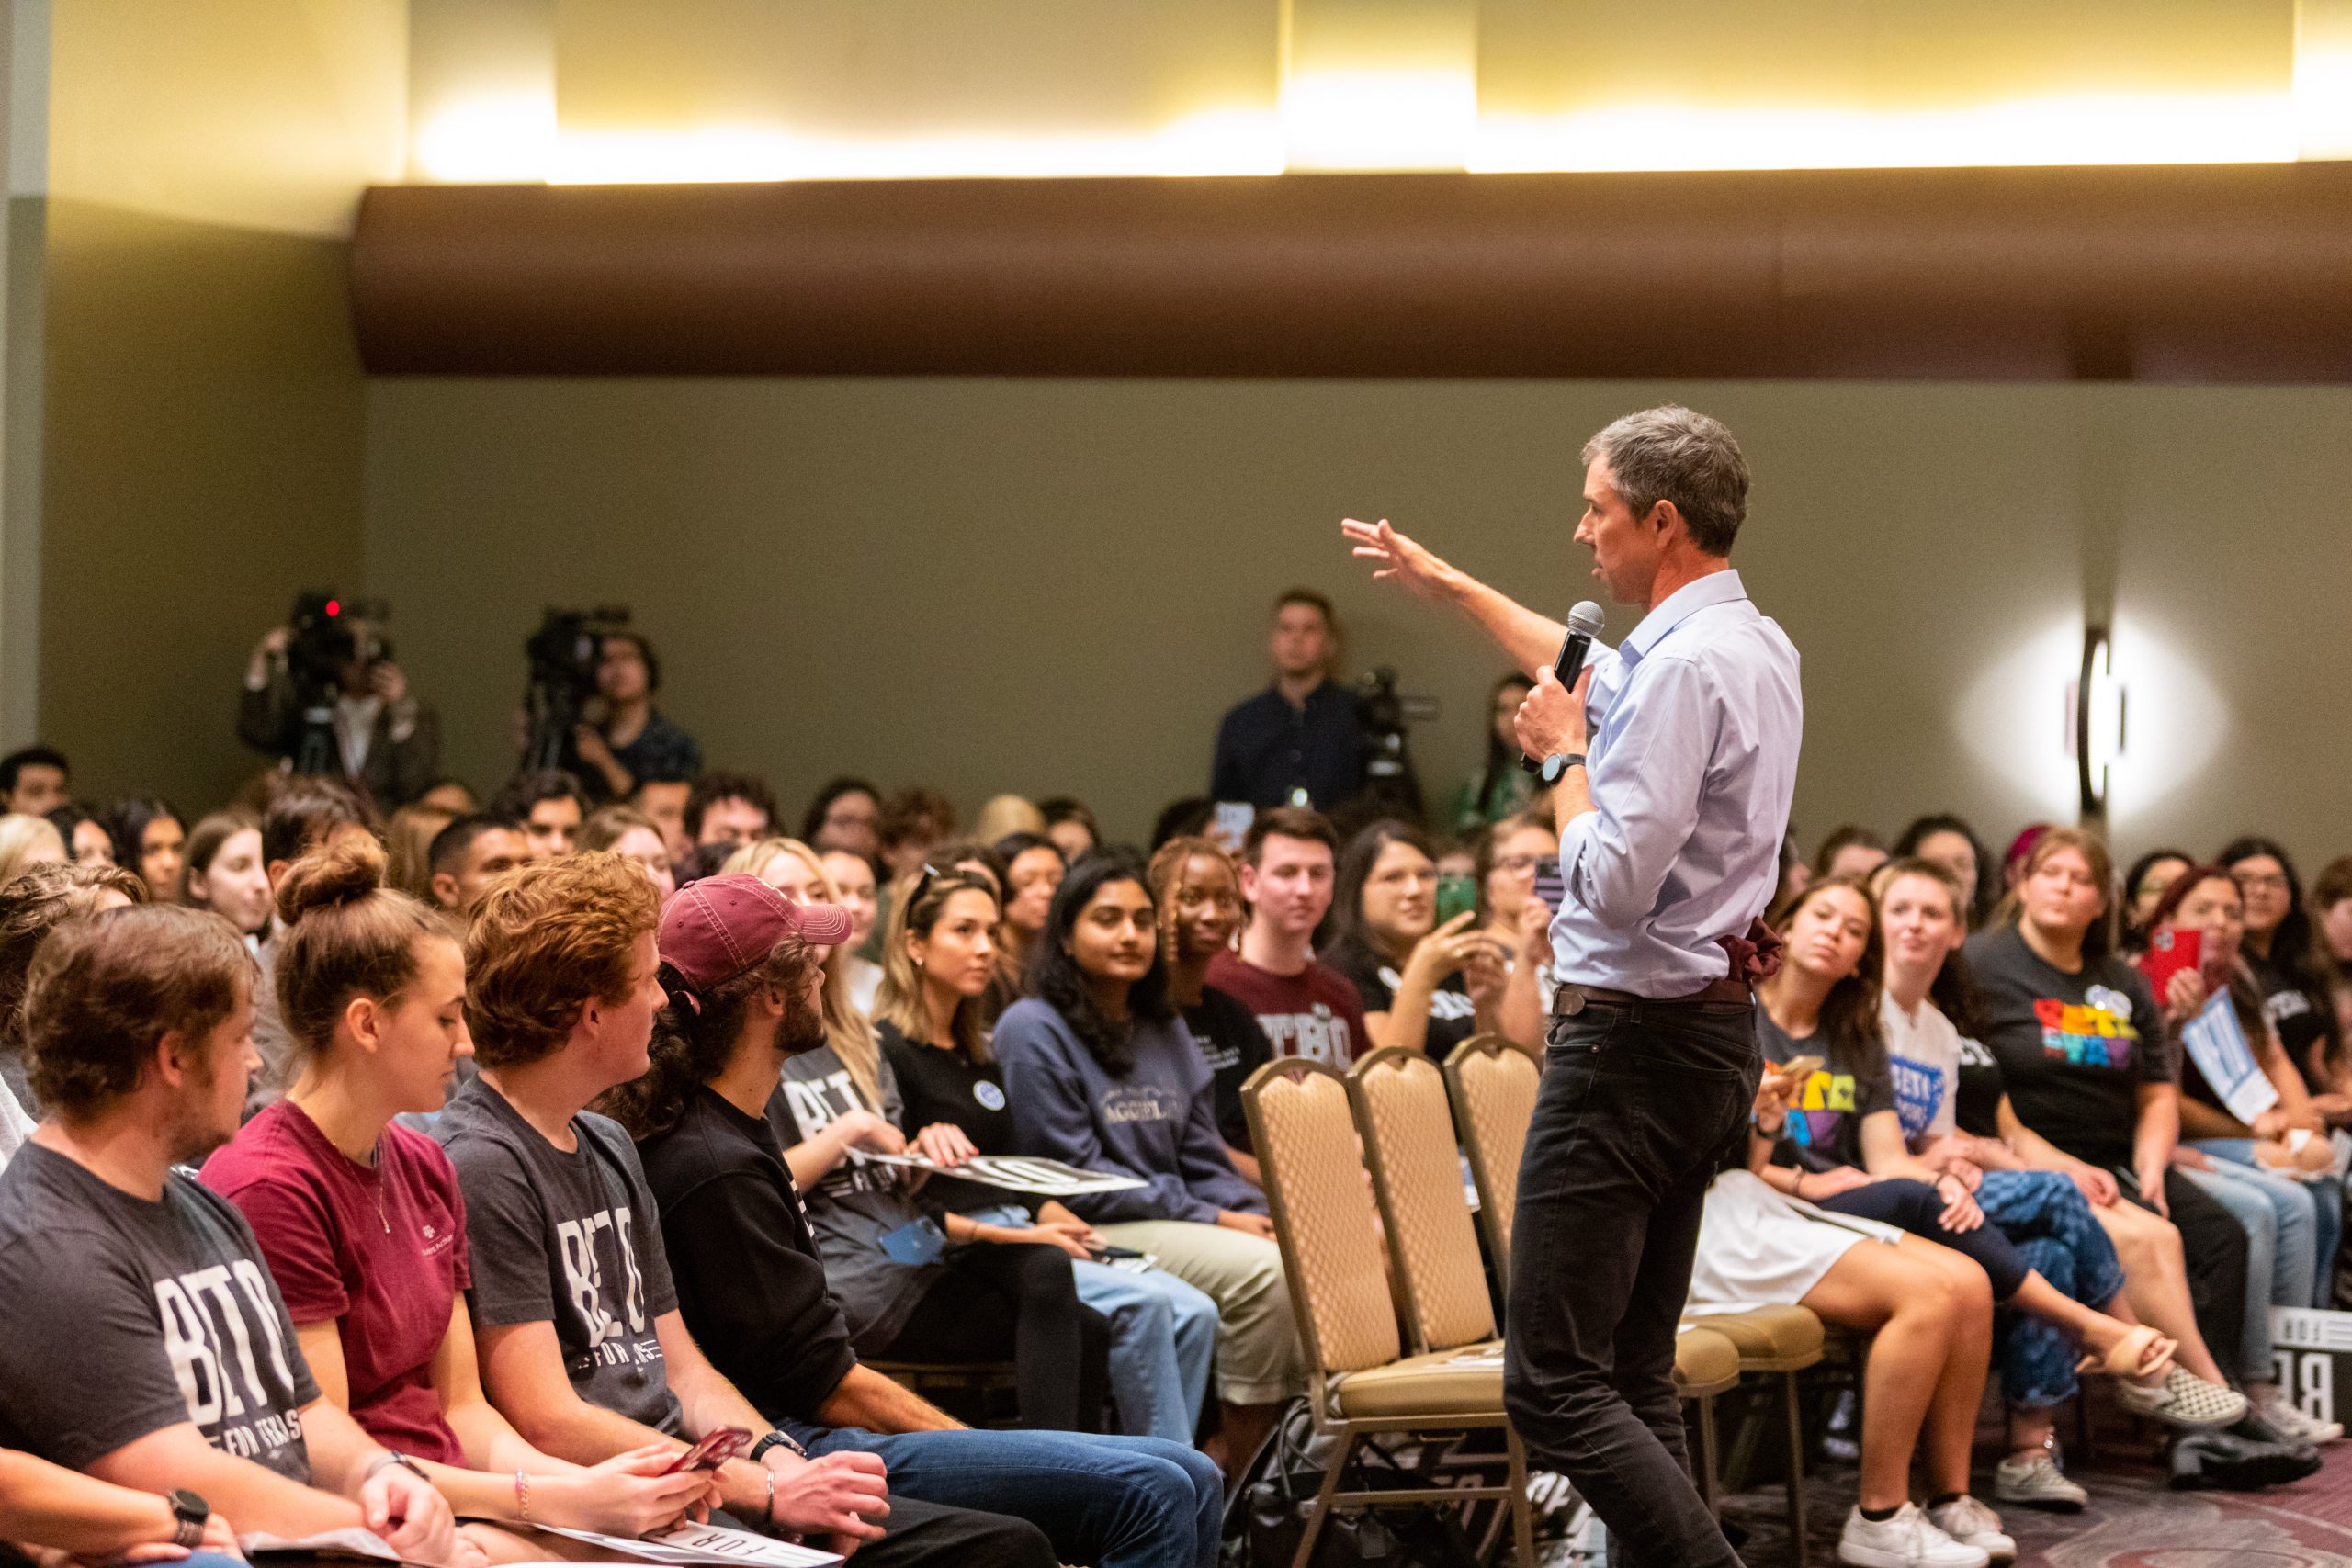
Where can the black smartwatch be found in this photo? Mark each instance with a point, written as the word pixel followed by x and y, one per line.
pixel 1558 763
pixel 774 1440
pixel 190 1514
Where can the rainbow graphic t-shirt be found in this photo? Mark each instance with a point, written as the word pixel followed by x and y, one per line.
pixel 2075 1048
pixel 2095 1031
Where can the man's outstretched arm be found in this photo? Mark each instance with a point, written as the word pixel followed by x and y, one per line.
pixel 1530 640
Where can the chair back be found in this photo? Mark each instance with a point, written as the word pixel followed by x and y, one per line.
pixel 1494 1085
pixel 1399 1099
pixel 1323 1217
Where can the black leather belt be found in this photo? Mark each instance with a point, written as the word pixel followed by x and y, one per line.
pixel 1569 1000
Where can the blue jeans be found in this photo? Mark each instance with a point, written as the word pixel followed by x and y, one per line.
pixel 2050 1223
pixel 2327 1205
pixel 1105 1501
pixel 2276 1214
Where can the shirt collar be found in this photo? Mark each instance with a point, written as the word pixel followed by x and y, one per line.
pixel 1715 588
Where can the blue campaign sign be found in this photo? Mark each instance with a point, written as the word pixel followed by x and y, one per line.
pixel 2217 1045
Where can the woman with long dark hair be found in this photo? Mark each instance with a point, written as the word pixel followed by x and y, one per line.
pixel 149 838
pixel 2144 888
pixel 1425 986
pixel 2287 964
pixel 1100 1075
pixel 1500 787
pixel 1951 844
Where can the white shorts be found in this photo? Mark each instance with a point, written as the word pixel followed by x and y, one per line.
pixel 1757 1247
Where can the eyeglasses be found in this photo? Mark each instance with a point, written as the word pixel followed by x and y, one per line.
pixel 1517 863
pixel 2248 880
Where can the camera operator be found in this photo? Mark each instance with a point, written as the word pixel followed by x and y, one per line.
pixel 633 742
pixel 385 743
pixel 1301 741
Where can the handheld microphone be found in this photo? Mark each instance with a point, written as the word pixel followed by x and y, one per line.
pixel 1584 621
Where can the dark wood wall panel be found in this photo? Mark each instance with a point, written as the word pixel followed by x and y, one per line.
pixel 2231 273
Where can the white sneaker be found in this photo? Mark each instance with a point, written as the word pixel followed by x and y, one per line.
pixel 1971 1523
pixel 1907 1540
pixel 2037 1482
pixel 2290 1418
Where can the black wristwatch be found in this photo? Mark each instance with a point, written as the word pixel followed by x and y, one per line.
pixel 1559 762
pixel 776 1440
pixel 191 1513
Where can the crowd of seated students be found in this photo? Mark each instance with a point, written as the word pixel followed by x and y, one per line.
pixel 539 1139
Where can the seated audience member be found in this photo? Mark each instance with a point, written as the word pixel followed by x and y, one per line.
pixel 387 742
pixel 549 807
pixel 1191 817
pixel 26 842
pixel 664 801
pixel 1951 844
pixel 225 872
pixel 408 833
pixel 576 1325
pixel 1012 1298
pixel 87 842
pixel 843 816
pixel 2042 1211
pixel 1100 1075
pixel 2086 1082
pixel 1501 788
pixel 1518 922
pixel 304 815
pixel 2275 1175
pixel 2013 860
pixel 2331 913
pixel 359 1218
pixel 34 781
pixel 911 823
pixel 51 1515
pixel 1409 971
pixel 1850 851
pixel 150 838
pixel 939 964
pixel 30 907
pixel 1307 1008
pixel 630 834
pixel 729 808
pixel 1842 1147
pixel 1071 825
pixel 633 742
pixel 743 989
pixel 139 1031
pixel 469 855
pixel 1002 815
pixel 1033 868
pixel 1199 896
pixel 453 796
pixel 2144 888
pixel 2285 962
pixel 852 879
pixel 1932 1329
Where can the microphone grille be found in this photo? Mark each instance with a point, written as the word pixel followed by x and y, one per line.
pixel 1587 617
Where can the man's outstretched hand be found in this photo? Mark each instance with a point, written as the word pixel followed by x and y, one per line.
pixel 1395 558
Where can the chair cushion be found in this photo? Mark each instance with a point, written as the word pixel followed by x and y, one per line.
pixel 1704 1359
pixel 1766 1333
pixel 1467 1381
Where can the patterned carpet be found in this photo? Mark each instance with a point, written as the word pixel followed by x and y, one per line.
pixel 2134 1520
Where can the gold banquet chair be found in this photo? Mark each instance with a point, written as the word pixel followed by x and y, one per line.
pixel 1359 1382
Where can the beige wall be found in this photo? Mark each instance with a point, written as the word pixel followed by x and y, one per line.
pixel 1058 586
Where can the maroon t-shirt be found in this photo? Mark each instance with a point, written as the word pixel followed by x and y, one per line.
pixel 1314 1013
pixel 380 1250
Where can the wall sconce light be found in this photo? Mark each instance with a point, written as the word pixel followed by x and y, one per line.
pixel 2099 709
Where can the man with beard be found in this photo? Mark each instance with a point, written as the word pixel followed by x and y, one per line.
pixel 743 978
pixel 147 1344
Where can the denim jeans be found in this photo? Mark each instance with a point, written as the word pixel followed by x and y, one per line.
pixel 1641 1103
pixel 1105 1501
pixel 2327 1210
pixel 2275 1211
pixel 2045 1215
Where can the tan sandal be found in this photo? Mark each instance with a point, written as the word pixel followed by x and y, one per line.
pixel 2128 1359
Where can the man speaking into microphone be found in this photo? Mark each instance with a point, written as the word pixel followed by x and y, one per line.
pixel 1669 768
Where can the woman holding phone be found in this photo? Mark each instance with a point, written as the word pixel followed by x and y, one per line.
pixel 1425 986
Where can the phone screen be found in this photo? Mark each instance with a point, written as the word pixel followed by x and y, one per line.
pixel 711 1450
pixel 1456 896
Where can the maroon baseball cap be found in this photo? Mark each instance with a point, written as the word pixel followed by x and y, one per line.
pixel 718 927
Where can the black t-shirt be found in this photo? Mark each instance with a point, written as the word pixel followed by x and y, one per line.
pixel 750 1278
pixel 2292 1011
pixel 1453 1015
pixel 1977 1110
pixel 2073 1049
pixel 1228 1035
pixel 127 1316
pixel 937 1085
pixel 568 1238
pixel 1824 1126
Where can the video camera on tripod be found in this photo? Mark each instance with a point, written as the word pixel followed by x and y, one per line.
pixel 325 637
pixel 563 655
pixel 1387 717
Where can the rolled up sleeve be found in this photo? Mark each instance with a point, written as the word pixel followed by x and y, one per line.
pixel 1646 785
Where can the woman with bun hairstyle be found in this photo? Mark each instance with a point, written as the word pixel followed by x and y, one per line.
pixel 361 1220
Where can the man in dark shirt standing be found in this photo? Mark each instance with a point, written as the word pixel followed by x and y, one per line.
pixel 1300 742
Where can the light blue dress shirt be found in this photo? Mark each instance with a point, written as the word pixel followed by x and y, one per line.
pixel 1695 720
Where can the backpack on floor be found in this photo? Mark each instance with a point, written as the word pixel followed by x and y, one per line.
pixel 1266 1518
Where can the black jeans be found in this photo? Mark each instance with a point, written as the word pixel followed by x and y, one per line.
pixel 1917 1207
pixel 1016 1301
pixel 1640 1104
